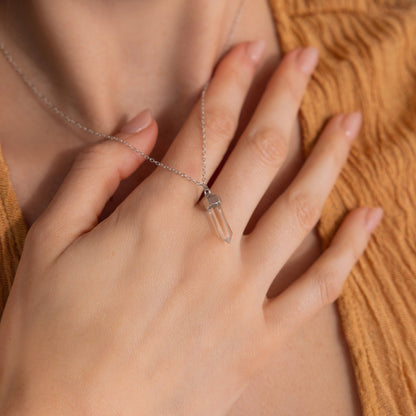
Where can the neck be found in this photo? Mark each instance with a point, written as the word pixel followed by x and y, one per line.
pixel 96 60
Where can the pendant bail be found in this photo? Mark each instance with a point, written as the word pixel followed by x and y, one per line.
pixel 207 191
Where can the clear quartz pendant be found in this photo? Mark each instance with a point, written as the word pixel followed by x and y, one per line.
pixel 213 206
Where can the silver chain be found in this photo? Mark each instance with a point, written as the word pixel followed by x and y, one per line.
pixel 77 124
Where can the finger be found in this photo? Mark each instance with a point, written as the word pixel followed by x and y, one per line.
pixel 322 283
pixel 263 146
pixel 92 180
pixel 224 99
pixel 286 223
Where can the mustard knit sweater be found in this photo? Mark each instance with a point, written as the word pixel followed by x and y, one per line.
pixel 368 63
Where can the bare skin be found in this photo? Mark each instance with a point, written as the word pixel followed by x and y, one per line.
pixel 316 359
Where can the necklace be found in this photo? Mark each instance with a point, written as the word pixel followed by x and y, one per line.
pixel 212 203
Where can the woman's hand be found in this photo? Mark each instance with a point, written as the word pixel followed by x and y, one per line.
pixel 148 312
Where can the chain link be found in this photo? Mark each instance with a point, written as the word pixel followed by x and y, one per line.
pixel 77 124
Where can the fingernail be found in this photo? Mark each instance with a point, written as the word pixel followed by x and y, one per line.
pixel 351 124
pixel 255 50
pixel 373 218
pixel 138 123
pixel 307 59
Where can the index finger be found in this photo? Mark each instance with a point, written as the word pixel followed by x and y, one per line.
pixel 224 99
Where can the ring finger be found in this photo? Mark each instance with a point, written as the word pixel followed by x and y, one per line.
pixel 262 148
pixel 286 223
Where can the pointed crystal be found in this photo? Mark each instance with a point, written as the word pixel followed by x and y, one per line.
pixel 213 206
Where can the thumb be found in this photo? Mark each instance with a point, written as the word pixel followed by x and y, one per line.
pixel 92 180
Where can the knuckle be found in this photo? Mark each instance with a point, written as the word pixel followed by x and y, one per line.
pixel 328 286
pixel 305 208
pixel 270 146
pixel 40 233
pixel 220 123
pixel 32 235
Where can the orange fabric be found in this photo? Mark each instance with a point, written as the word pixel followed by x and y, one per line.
pixel 13 229
pixel 368 63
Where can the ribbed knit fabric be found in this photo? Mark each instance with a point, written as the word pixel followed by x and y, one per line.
pixel 368 63
pixel 13 229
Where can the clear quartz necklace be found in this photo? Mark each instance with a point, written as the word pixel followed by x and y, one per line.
pixel 212 202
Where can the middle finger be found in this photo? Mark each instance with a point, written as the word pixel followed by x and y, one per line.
pixel 262 148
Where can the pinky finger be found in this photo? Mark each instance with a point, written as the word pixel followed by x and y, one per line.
pixel 322 283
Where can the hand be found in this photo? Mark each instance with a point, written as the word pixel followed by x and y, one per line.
pixel 148 312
